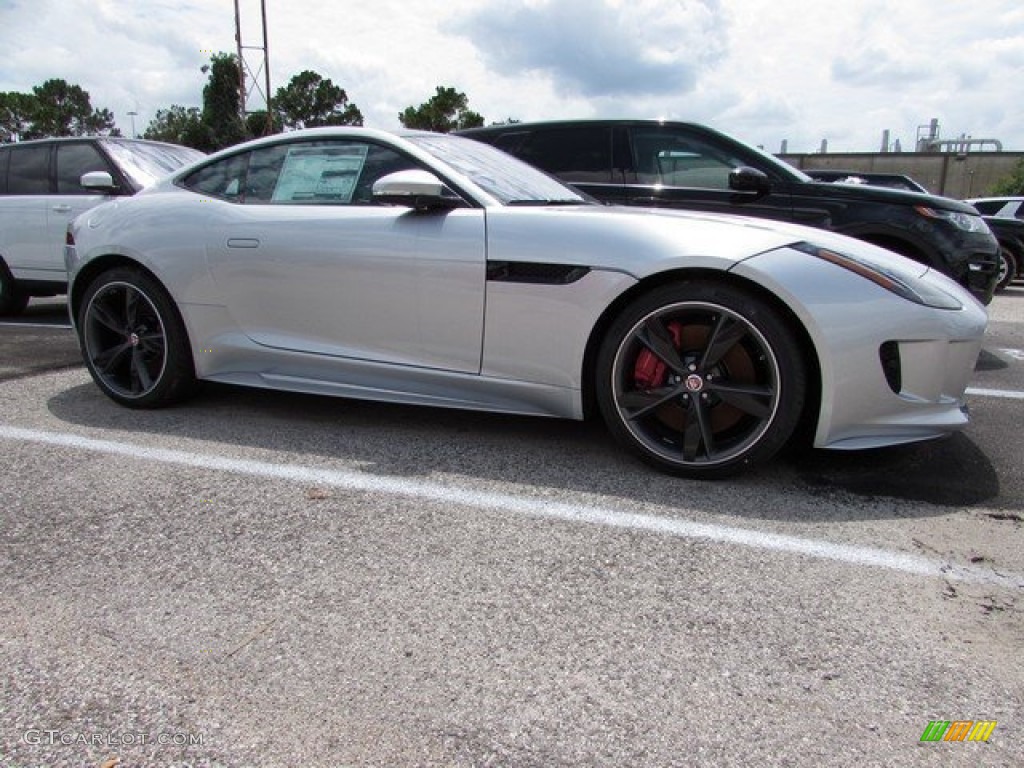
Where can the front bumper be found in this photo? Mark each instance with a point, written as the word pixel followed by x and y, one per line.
pixel 857 328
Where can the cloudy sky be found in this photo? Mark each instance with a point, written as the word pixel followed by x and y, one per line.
pixel 762 70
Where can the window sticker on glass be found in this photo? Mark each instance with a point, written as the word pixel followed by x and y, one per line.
pixel 320 174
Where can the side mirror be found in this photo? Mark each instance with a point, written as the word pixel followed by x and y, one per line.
pixel 98 181
pixel 747 179
pixel 416 189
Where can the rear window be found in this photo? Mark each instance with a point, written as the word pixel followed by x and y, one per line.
pixel 29 170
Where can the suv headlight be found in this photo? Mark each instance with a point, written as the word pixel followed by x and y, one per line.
pixel 897 281
pixel 967 222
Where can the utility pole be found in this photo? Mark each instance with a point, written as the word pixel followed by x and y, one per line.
pixel 263 68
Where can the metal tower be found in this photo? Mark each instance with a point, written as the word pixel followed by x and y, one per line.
pixel 262 68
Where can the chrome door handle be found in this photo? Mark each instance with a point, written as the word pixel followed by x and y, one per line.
pixel 243 242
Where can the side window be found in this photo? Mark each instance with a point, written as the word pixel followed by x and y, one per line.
pixel 320 173
pixel 29 172
pixel 582 153
pixel 73 160
pixel 5 161
pixel 674 158
pixel 264 169
pixel 988 207
pixel 224 179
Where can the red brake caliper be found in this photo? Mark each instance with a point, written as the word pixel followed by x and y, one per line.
pixel 650 372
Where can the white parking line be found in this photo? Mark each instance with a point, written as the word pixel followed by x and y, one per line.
pixel 432 491
pixel 1009 394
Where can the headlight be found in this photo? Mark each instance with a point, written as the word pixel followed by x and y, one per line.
pixel 968 222
pixel 904 285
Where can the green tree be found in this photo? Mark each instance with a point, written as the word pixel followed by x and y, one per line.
pixel 447 110
pixel 222 103
pixel 15 115
pixel 309 101
pixel 256 124
pixel 179 125
pixel 61 109
pixel 1011 184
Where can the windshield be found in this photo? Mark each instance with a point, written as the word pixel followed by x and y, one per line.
pixel 145 162
pixel 511 181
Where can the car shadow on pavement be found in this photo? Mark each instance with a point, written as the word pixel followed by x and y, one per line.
pixel 411 441
pixel 951 472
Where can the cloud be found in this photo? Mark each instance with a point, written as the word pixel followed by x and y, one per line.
pixel 599 49
pixel 872 66
pixel 763 70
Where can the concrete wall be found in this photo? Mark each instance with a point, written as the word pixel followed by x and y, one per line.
pixel 953 175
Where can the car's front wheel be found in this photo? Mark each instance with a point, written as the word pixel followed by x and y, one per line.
pixel 134 341
pixel 701 379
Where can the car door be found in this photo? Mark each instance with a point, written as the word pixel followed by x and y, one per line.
pixel 73 159
pixel 306 261
pixel 678 166
pixel 23 233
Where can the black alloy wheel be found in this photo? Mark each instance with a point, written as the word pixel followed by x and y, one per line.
pixel 701 379
pixel 134 341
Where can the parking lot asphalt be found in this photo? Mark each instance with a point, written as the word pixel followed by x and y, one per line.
pixel 268 579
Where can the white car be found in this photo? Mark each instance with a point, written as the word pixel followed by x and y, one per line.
pixel 434 270
pixel 45 184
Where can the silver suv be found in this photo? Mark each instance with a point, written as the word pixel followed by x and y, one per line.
pixel 45 184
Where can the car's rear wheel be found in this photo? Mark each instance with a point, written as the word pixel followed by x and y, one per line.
pixel 1007 267
pixel 701 379
pixel 12 299
pixel 134 341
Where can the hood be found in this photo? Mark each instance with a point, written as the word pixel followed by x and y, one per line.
pixel 639 241
pixel 867 192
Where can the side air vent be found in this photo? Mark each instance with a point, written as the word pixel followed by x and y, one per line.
pixel 889 356
pixel 531 272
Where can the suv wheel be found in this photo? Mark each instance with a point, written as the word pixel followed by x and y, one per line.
pixel 12 299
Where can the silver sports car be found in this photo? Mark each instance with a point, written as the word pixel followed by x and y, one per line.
pixel 434 270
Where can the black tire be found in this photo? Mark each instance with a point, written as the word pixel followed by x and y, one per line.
pixel 134 340
pixel 701 379
pixel 12 299
pixel 1007 267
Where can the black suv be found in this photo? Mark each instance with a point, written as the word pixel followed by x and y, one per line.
pixel 685 165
